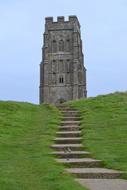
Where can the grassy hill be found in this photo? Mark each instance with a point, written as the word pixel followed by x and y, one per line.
pixel 26 132
pixel 104 124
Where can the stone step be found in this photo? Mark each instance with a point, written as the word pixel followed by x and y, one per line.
pixel 69 128
pixel 70 118
pixel 67 140
pixel 105 184
pixel 62 106
pixel 71 154
pixel 81 162
pixel 68 109
pixel 70 114
pixel 64 147
pixel 69 134
pixel 65 123
pixel 94 173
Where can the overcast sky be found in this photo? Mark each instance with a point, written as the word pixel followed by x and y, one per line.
pixel 104 34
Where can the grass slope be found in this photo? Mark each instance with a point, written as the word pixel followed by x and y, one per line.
pixel 26 132
pixel 104 123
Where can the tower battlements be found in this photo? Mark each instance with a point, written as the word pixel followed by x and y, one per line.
pixel 61 20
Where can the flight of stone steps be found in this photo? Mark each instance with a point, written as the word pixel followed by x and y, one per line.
pixel 68 150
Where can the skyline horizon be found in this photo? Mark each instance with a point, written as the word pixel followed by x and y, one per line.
pixel 104 35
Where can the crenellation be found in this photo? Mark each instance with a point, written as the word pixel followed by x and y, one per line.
pixel 69 24
pixel 60 19
pixel 49 20
pixel 74 19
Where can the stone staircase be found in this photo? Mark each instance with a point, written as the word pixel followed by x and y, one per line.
pixel 68 150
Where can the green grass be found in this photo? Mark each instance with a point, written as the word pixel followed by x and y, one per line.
pixel 26 133
pixel 104 123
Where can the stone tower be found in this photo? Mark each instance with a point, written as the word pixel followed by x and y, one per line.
pixel 62 71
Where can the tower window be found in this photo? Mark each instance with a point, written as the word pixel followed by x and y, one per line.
pixel 61 66
pixel 61 45
pixel 54 46
pixel 68 45
pixel 61 80
pixel 54 66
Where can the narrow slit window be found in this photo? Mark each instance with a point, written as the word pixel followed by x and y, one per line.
pixel 61 80
pixel 54 46
pixel 68 46
pixel 61 45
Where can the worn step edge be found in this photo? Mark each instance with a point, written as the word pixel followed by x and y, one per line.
pixel 80 162
pixel 68 138
pixel 70 128
pixel 72 147
pixel 71 119
pixel 65 123
pixel 105 184
pixel 71 154
pixel 94 173
pixel 70 114
pixel 69 111
pixel 72 140
pixel 69 134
